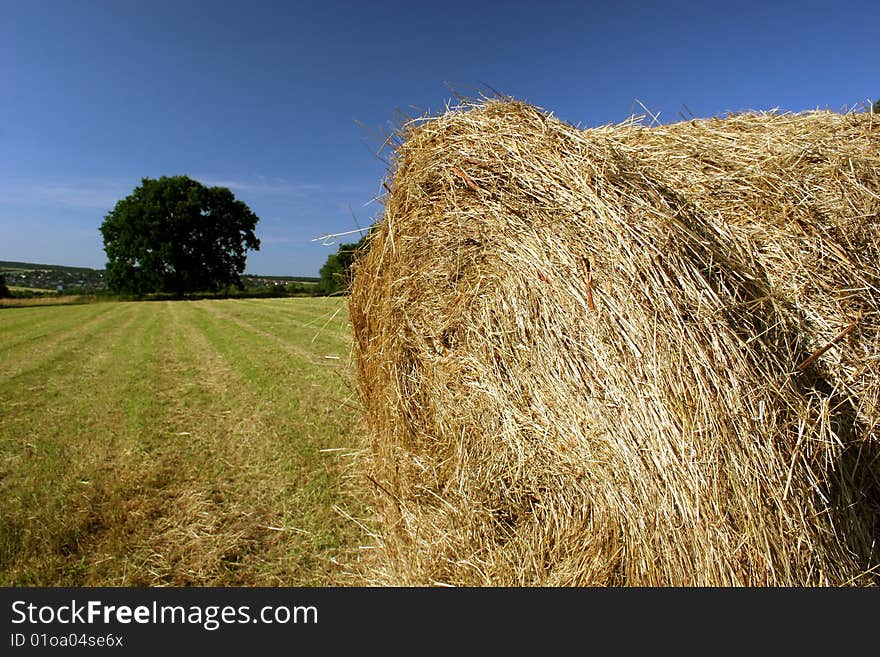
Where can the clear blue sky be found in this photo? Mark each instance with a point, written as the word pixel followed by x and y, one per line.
pixel 268 98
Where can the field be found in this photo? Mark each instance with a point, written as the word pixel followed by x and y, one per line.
pixel 177 443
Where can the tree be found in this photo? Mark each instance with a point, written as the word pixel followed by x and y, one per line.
pixel 877 107
pixel 4 291
pixel 176 235
pixel 336 272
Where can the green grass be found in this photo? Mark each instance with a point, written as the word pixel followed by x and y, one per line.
pixel 177 443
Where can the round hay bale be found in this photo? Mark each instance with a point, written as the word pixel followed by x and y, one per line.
pixel 625 355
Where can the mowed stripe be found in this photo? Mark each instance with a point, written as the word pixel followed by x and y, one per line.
pixel 292 382
pixel 20 326
pixel 175 447
pixel 269 455
pixel 55 446
pixel 288 320
pixel 48 340
pixel 311 312
pixel 289 333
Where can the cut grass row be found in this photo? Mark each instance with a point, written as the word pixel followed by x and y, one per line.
pixel 177 443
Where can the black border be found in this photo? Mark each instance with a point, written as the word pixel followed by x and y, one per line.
pixel 487 620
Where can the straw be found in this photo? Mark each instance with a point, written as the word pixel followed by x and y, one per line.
pixel 627 355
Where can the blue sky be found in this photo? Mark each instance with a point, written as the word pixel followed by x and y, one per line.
pixel 283 102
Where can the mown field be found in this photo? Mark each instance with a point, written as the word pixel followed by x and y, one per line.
pixel 177 443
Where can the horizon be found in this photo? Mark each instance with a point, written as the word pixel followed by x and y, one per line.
pixel 286 105
pixel 101 269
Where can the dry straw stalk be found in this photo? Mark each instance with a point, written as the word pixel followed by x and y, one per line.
pixel 625 355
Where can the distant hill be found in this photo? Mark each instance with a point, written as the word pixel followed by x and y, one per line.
pixel 8 265
pixel 85 279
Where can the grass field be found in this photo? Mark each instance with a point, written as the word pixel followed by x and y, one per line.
pixel 48 299
pixel 177 443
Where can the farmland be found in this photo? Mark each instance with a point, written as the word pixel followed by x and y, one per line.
pixel 177 443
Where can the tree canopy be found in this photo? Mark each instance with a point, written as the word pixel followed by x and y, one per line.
pixel 4 291
pixel 336 272
pixel 176 235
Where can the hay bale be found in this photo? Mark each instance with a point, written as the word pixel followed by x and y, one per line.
pixel 625 355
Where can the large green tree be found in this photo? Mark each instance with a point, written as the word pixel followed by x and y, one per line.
pixel 4 291
pixel 176 235
pixel 336 272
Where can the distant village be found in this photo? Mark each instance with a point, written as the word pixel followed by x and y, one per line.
pixel 82 280
pixel 41 277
